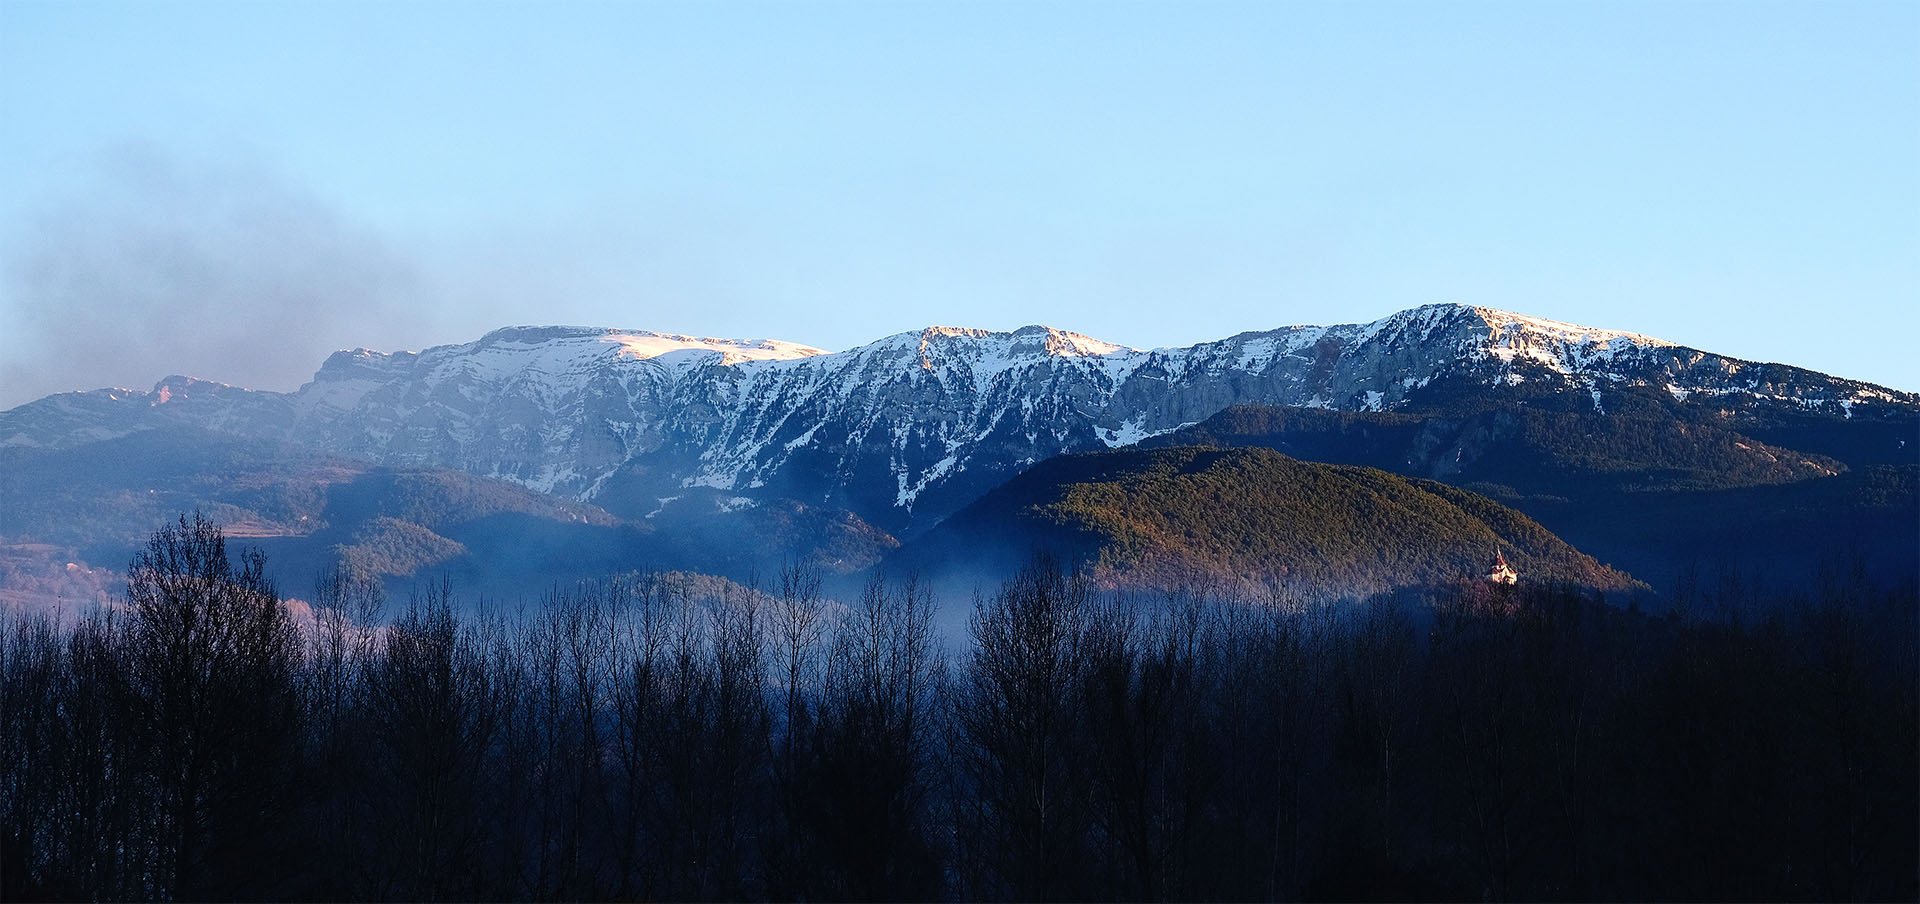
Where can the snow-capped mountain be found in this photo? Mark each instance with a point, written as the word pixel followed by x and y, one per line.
pixel 902 430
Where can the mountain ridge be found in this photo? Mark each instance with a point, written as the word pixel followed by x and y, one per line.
pixel 1501 322
pixel 907 428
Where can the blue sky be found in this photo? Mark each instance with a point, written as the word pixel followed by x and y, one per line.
pixel 231 190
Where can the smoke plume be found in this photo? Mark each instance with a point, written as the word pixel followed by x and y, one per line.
pixel 222 271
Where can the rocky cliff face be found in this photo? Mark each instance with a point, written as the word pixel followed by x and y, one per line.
pixel 903 430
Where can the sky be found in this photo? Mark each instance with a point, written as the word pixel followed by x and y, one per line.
pixel 231 191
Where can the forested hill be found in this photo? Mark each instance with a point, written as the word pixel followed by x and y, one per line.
pixel 1649 485
pixel 1249 518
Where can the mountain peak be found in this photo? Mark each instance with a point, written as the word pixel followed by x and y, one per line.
pixel 1061 343
pixel 1510 322
pixel 179 386
pixel 1032 338
pixel 640 344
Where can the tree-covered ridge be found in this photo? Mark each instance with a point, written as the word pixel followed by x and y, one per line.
pixel 391 547
pixel 1653 486
pixel 1255 517
pixel 93 495
pixel 1545 446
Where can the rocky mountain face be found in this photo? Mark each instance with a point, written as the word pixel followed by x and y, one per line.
pixel 909 428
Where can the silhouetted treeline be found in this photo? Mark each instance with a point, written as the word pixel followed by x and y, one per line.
pixel 625 739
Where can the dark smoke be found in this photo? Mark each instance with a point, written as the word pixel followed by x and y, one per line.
pixel 217 270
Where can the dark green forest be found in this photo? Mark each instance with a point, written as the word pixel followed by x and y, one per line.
pixel 1248 518
pixel 1646 485
pixel 647 736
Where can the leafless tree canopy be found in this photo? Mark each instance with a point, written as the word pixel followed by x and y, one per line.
pixel 647 736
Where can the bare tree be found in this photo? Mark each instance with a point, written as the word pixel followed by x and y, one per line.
pixel 430 715
pixel 211 669
pixel 863 801
pixel 1022 808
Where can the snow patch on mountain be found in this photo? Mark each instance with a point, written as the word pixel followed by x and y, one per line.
pixel 1131 432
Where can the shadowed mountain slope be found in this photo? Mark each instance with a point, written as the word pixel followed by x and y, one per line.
pixel 95 504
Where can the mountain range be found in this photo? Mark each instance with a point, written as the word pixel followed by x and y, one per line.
pixel 731 454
